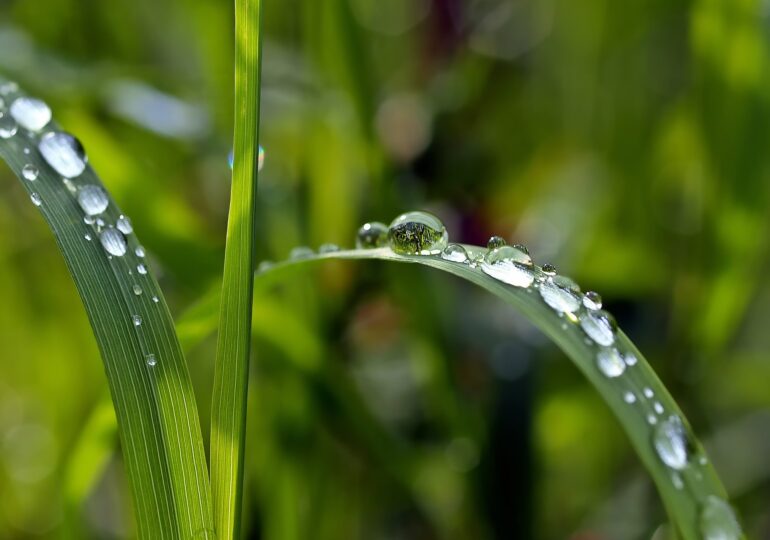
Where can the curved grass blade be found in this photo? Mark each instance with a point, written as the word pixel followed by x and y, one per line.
pixel 689 492
pixel 146 371
pixel 228 411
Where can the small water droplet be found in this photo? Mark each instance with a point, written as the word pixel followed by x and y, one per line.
pixel 30 113
pixel 64 153
pixel 265 266
pixel 35 198
pixel 142 269
pixel 300 252
pixel 151 360
pixel 155 299
pixel 89 220
pixel 372 235
pixel 93 199
pixel 8 88
pixel 30 172
pixel 124 225
pixel 521 247
pixel 630 359
pixel 509 265
pixel 592 300
pixel 561 293
pixel 629 397
pixel 417 233
pixel 670 441
pixel 455 253
pixel 87 237
pixel 8 126
pixel 113 242
pixel 610 362
pixel 26 151
pixel 328 248
pixel 139 251
pixel 137 290
pixel 495 242
pixel 600 326
pixel 549 269
pixel 703 460
pixel 651 419
pixel 717 520
pixel 658 407
pixel 648 393
pixel 676 480
pixel 137 320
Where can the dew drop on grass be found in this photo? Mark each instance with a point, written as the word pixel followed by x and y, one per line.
pixel 509 265
pixel 592 300
pixel 630 359
pixel 87 237
pixel 30 113
pixel 151 360
pixel 139 251
pixel 455 253
pixel 671 444
pixel 260 159
pixel 561 293
pixel 495 242
pixel 522 248
pixel 155 299
pixel 124 225
pixel 328 248
pixel 93 200
pixel 8 126
pixel 610 362
pixel 137 290
pixel 658 407
pixel 142 269
pixel 69 185
pixel 137 320
pixel 30 172
pixel 417 233
pixel 64 153
pixel 676 480
pixel 372 235
pixel 651 419
pixel 600 326
pixel 113 242
pixel 300 252
pixel 648 393
pixel 264 266
pixel 629 397
pixel 549 269
pixel 35 198
pixel 717 520
pixel 8 88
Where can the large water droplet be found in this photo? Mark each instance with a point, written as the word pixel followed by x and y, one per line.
pixel 561 293
pixel 600 326
pixel 31 113
pixel 151 360
pixel 8 126
pixel 455 253
pixel 93 199
pixel 417 233
pixel 592 300
pixel 509 265
pixel 35 198
pixel 30 172
pixel 142 269
pixel 124 225
pixel 495 242
pixel 372 235
pixel 717 520
pixel 64 153
pixel 670 441
pixel 610 362
pixel 113 242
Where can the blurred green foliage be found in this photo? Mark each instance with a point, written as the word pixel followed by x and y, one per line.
pixel 624 142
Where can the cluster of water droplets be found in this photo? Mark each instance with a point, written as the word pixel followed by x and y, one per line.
pixel 28 120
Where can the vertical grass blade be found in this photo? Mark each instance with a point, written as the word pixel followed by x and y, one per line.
pixel 228 414
pixel 154 404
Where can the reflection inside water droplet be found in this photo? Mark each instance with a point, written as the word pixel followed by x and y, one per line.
pixel 417 233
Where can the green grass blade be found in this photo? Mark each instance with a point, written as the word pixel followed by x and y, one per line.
pixel 228 414
pixel 684 492
pixel 154 404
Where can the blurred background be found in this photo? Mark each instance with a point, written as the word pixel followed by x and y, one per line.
pixel 628 143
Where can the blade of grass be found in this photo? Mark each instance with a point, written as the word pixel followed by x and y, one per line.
pixel 154 404
pixel 228 414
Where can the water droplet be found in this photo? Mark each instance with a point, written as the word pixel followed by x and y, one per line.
pixel 658 407
pixel 670 441
pixel 35 198
pixel 64 153
pixel 717 520
pixel 592 300
pixel 372 235
pixel 600 326
pixel 8 88
pixel 26 151
pixel 648 393
pixel 455 253
pixel 629 397
pixel 676 480
pixel 522 248
pixel 87 237
pixel 151 360
pixel 651 419
pixel 137 290
pixel 630 359
pixel 30 113
pixel 137 320
pixel 509 265
pixel 300 252
pixel 328 248
pixel 124 225
pixel 561 293
pixel 549 269
pixel 265 266
pixel 30 172
pixel 100 222
pixel 610 362
pixel 155 299
pixel 139 251
pixel 260 159
pixel 417 233
pixel 88 220
pixel 8 126
pixel 69 185
pixel 93 199
pixel 495 242
pixel 142 269
pixel 703 460
pixel 113 242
